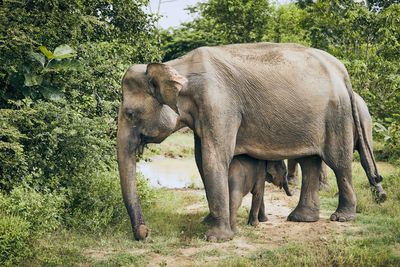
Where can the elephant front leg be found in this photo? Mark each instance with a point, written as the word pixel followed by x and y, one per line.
pixel 307 209
pixel 215 170
pixel 216 185
pixel 199 162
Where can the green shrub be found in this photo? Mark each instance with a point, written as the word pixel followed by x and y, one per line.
pixel 96 201
pixel 49 143
pixel 43 210
pixel 14 240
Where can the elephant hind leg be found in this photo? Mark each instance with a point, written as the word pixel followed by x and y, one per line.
pixel 307 209
pixel 346 210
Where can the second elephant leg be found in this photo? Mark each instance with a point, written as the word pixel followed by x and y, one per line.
pixel 293 171
pixel 323 178
pixel 262 217
pixel 307 209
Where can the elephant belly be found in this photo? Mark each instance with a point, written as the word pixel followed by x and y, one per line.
pixel 282 139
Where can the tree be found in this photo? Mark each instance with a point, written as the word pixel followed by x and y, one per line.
pixel 118 32
pixel 219 22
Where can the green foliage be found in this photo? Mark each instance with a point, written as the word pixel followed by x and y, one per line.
pixel 38 74
pixel 54 143
pixel 14 240
pixel 219 22
pixel 236 21
pixel 27 25
pixel 42 210
pixel 95 202
pixel 285 25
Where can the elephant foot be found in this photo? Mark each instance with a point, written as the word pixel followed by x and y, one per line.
pixel 343 215
pixel 209 220
pixel 253 222
pixel 304 214
pixel 216 234
pixel 262 218
pixel 141 232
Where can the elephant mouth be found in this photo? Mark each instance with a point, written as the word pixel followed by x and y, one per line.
pixel 144 140
pixel 142 144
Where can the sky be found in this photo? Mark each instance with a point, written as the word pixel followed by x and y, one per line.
pixel 173 11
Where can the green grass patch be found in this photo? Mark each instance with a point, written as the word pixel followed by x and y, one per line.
pixel 178 145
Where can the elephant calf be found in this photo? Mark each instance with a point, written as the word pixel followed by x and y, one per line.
pixel 246 175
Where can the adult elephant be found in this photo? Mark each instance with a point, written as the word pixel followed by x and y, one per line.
pixel 364 149
pixel 270 101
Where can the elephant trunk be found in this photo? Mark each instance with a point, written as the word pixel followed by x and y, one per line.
pixel 127 144
pixel 286 188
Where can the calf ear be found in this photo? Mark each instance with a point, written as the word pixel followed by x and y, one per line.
pixel 165 83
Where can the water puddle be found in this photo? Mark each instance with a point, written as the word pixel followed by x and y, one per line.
pixel 171 173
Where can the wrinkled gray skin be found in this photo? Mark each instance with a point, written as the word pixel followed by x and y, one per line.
pixel 366 125
pixel 242 99
pixel 246 175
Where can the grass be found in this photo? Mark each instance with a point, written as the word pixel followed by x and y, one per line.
pixel 178 145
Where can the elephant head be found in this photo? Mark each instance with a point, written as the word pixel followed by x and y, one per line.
pixel 276 173
pixel 148 114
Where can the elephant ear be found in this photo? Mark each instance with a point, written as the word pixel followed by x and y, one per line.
pixel 165 83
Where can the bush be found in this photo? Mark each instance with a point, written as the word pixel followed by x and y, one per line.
pixel 46 144
pixel 14 240
pixel 388 147
pixel 43 211
pixel 96 201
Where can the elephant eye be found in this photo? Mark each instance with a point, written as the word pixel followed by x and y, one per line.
pixel 133 114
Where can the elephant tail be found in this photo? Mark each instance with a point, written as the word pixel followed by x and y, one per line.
pixel 364 147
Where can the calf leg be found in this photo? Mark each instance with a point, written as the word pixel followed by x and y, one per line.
pixel 257 201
